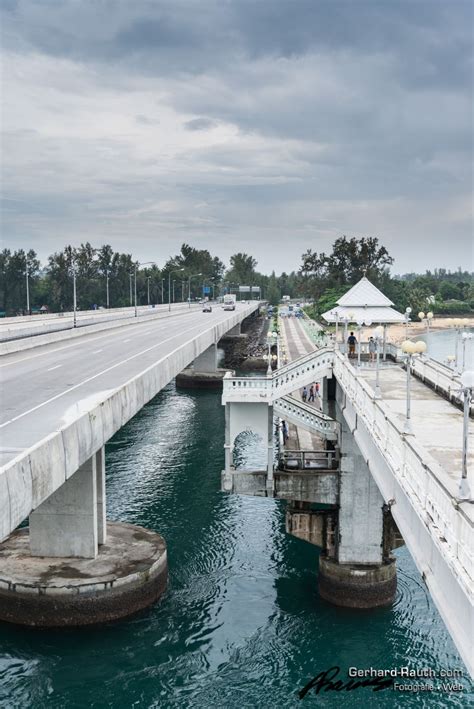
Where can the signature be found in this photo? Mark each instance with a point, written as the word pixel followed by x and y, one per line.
pixel 325 680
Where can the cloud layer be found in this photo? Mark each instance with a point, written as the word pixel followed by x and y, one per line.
pixel 240 126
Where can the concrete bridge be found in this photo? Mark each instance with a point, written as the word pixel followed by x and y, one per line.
pixel 61 403
pixel 385 482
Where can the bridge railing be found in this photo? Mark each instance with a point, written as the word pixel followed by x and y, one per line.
pixel 308 460
pixel 300 413
pixel 417 472
pixel 439 376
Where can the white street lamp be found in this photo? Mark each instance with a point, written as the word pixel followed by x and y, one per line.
pixel 74 294
pixel 27 288
pixel 359 330
pixel 176 270
pixel 410 349
pixel 467 383
pixel 407 320
pixel 377 335
pixel 456 324
pixel 148 289
pixel 107 287
pixel 466 336
pixel 194 275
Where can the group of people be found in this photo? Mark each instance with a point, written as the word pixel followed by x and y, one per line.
pixel 352 341
pixel 308 395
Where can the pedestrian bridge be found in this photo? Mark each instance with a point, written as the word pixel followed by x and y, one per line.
pixel 418 478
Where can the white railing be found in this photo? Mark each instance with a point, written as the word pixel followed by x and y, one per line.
pixel 296 374
pixel 308 460
pixel 417 472
pixel 302 414
pixel 439 376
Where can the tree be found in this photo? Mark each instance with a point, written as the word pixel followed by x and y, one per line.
pixel 242 269
pixel 273 294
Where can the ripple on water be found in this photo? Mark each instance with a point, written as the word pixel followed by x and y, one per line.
pixel 241 624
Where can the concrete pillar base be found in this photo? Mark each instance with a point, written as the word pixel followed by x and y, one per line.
pixel 129 574
pixel 357 586
pixel 189 379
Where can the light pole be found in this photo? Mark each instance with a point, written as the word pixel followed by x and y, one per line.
pixel 271 358
pixel 467 384
pixel 457 324
pixel 359 330
pixel 427 317
pixel 194 275
pixel 407 320
pixel 177 270
pixel 74 294
pixel 107 287
pixel 466 336
pixel 131 297
pixel 377 334
pixel 162 291
pixel 137 264
pixel 148 289
pixel 410 349
pixel 27 288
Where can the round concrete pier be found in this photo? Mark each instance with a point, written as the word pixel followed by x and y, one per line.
pixel 129 573
pixel 357 586
pixel 189 379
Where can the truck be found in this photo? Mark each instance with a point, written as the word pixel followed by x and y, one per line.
pixel 286 298
pixel 229 301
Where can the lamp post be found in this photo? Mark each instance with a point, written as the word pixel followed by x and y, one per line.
pixel 467 384
pixel 270 357
pixel 466 336
pixel 410 349
pixel 194 275
pixel 162 291
pixel 148 289
pixel 427 318
pixel 359 330
pixel 137 264
pixel 74 294
pixel 377 334
pixel 457 324
pixel 177 270
pixel 107 288
pixel 27 288
pixel 407 320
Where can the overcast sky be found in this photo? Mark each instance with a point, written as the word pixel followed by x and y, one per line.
pixel 267 127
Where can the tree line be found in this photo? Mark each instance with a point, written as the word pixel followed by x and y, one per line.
pixel 107 278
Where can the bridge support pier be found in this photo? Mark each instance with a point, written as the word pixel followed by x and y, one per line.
pixel 362 574
pixel 203 373
pixel 71 567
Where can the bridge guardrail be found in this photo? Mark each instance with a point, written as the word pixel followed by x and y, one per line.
pixel 308 460
pixel 301 413
pixel 417 472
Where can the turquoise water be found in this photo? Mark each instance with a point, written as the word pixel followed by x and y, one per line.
pixel 442 344
pixel 241 624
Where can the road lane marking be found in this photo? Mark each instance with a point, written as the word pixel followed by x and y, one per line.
pixel 97 351
pixel 50 369
pixel 128 339
pixel 104 371
pixel 158 321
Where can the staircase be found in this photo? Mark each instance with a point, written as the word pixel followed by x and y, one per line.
pixel 306 417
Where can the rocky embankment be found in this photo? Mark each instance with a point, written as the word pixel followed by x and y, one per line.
pixel 246 351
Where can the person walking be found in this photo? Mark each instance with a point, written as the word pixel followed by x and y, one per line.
pixel 311 393
pixel 316 388
pixel 372 349
pixel 352 341
pixel 304 394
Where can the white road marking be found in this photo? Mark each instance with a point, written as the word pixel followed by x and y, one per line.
pixel 50 369
pixel 158 321
pixel 97 351
pixel 104 371
pixel 126 340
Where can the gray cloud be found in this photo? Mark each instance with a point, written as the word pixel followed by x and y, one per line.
pixel 326 117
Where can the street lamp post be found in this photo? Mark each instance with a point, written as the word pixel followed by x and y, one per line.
pixel 169 285
pixel 427 318
pixel 377 334
pixel 194 275
pixel 467 384
pixel 27 289
pixel 162 291
pixel 74 295
pixel 107 288
pixel 148 289
pixel 457 324
pixel 407 320
pixel 466 336
pixel 359 344
pixel 137 264
pixel 410 349
pixel 131 296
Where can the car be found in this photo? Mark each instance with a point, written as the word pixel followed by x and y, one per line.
pixel 207 308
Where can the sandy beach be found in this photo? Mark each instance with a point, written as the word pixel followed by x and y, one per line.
pixel 397 333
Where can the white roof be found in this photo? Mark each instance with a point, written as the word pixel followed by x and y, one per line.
pixel 364 314
pixel 364 293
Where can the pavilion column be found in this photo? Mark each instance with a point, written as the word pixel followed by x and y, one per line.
pixel 384 342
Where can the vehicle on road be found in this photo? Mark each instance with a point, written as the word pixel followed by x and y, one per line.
pixel 229 301
pixel 207 308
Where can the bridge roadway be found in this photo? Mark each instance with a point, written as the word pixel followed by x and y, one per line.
pixel 61 403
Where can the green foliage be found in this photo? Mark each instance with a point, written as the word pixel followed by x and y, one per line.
pixel 453 307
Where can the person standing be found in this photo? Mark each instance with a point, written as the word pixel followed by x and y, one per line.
pixel 304 394
pixel 352 341
pixel 372 349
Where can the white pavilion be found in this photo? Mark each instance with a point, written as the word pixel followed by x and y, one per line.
pixel 364 304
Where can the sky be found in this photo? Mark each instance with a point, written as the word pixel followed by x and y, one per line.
pixel 263 126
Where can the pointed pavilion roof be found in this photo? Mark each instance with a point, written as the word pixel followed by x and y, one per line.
pixel 364 302
pixel 365 294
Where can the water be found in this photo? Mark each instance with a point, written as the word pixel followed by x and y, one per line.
pixel 442 344
pixel 241 624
